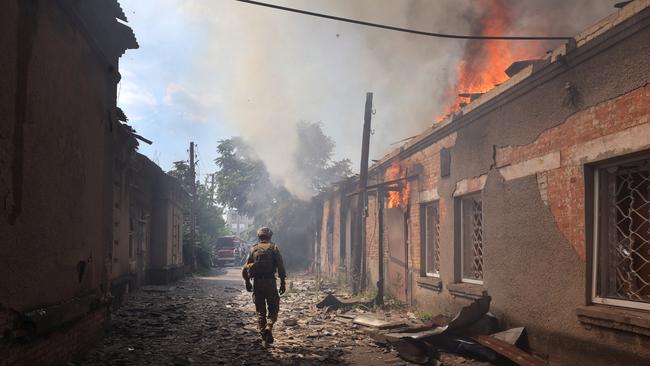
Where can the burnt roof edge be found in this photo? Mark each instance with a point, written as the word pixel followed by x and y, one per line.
pixel 571 59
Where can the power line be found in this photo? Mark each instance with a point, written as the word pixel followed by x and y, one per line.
pixel 405 30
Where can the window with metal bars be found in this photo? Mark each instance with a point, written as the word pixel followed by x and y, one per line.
pixel 431 236
pixel 471 238
pixel 621 267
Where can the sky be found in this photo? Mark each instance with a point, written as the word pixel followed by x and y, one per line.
pixel 207 70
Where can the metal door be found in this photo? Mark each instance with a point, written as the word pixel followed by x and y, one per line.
pixel 396 279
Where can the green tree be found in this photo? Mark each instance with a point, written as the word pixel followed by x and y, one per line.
pixel 314 157
pixel 209 216
pixel 239 176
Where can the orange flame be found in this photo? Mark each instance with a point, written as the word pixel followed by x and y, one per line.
pixel 484 62
pixel 397 198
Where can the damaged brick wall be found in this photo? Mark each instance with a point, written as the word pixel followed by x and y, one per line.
pixel 56 168
pixel 611 128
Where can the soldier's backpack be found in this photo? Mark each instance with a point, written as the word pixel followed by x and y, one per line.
pixel 263 261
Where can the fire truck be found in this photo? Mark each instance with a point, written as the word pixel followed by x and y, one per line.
pixel 229 250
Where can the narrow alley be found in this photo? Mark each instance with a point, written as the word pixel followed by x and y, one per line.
pixel 333 182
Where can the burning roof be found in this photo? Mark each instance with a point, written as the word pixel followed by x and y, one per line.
pixel 500 70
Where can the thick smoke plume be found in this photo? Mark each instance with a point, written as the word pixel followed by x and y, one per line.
pixel 273 69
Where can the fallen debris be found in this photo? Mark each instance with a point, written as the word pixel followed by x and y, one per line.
pixel 413 350
pixel 330 302
pixel 510 351
pixel 375 322
pixel 510 336
pixel 472 313
pixel 290 322
pixel 466 335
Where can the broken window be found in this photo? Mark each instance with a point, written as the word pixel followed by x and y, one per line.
pixel 622 234
pixel 431 231
pixel 471 238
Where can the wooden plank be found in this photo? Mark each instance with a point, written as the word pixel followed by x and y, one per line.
pixel 511 352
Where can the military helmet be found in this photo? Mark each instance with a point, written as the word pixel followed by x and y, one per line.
pixel 264 233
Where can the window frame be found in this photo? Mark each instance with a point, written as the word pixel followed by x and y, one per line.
pixel 461 228
pixel 424 230
pixel 592 177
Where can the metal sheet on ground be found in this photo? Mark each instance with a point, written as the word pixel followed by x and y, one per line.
pixel 371 321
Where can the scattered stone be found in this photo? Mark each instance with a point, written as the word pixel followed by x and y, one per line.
pixel 203 321
pixel 290 322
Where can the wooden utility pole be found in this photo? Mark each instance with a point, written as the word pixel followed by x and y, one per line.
pixel 360 232
pixel 212 189
pixel 192 249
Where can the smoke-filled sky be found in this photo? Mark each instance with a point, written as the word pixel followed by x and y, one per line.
pixel 210 69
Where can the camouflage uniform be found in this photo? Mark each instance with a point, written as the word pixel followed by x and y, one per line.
pixel 265 290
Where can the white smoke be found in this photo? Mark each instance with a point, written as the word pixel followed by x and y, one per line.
pixel 273 69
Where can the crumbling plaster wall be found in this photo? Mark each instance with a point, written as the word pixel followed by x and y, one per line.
pixel 55 143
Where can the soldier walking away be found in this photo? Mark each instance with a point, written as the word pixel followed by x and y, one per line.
pixel 262 263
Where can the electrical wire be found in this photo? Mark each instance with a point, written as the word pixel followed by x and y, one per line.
pixel 406 30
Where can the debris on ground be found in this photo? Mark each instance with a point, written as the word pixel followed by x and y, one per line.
pixel 205 321
pixel 376 322
pixel 473 332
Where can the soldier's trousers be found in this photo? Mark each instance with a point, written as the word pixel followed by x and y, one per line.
pixel 265 296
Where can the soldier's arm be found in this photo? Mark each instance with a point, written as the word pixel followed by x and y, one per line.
pixel 244 270
pixel 278 259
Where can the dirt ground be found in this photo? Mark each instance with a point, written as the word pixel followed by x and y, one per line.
pixel 210 321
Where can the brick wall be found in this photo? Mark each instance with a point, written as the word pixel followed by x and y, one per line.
pixel 610 128
pixel 58 347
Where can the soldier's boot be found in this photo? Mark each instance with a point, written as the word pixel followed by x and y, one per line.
pixel 269 333
pixel 265 342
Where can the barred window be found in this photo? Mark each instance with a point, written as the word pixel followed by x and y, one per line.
pixel 431 231
pixel 471 238
pixel 622 234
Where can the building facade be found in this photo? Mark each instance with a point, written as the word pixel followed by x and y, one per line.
pixel 74 233
pixel 536 193
pixel 59 140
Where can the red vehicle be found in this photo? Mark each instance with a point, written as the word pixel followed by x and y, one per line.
pixel 229 250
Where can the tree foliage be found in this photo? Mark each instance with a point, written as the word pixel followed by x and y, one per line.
pixel 209 216
pixel 314 157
